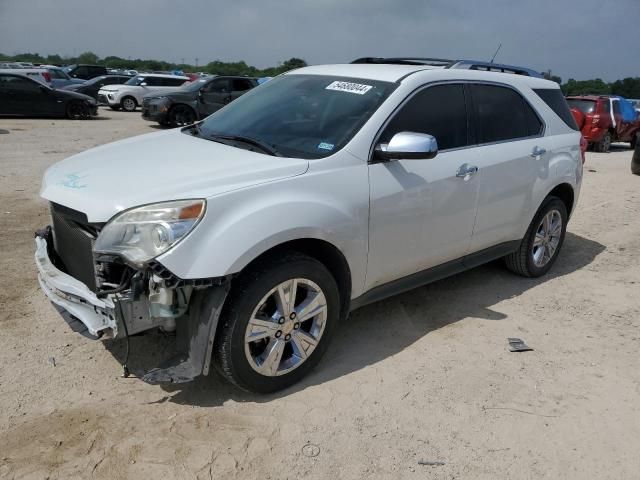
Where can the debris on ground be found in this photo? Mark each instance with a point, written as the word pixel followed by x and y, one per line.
pixel 52 361
pixel 432 463
pixel 310 450
pixel 518 345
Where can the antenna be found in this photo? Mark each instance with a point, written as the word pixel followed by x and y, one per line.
pixel 494 55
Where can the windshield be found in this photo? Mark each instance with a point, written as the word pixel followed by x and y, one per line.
pixel 304 116
pixel 585 106
pixel 137 80
pixel 195 85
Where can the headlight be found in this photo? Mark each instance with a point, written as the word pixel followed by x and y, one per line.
pixel 143 233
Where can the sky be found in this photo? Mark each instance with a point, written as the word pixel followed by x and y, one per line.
pixel 579 39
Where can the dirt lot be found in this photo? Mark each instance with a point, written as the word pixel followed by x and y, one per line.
pixel 423 376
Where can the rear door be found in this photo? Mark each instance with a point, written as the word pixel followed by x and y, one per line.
pixel 421 211
pixel 511 156
pixel 215 95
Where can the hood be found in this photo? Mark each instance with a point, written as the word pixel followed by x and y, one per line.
pixel 72 94
pixel 158 167
pixel 115 88
pixel 161 92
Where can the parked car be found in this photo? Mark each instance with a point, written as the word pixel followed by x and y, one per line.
pixel 21 95
pixel 91 87
pixel 129 95
pixel 41 75
pixel 86 72
pixel 60 78
pixel 258 229
pixel 195 100
pixel 635 160
pixel 605 119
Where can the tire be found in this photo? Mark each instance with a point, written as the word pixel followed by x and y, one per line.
pixel 181 116
pixel 635 160
pixel 634 141
pixel 527 261
pixel 128 104
pixel 77 111
pixel 604 145
pixel 246 363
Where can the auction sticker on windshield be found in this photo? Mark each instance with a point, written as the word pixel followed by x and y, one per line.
pixel 357 88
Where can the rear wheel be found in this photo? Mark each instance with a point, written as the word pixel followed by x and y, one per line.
pixel 604 145
pixel 181 115
pixel 128 104
pixel 542 242
pixel 277 323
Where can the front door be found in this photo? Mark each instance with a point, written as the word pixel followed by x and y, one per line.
pixel 422 212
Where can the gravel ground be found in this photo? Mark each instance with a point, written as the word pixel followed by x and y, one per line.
pixel 424 376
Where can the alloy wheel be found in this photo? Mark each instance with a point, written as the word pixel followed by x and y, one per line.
pixel 285 327
pixel 547 238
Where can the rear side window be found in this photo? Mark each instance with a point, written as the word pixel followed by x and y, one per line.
pixel 555 100
pixel 439 111
pixel 153 82
pixel 173 82
pixel 502 114
pixel 240 85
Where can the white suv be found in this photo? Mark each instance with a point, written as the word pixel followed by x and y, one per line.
pixel 256 231
pixel 129 95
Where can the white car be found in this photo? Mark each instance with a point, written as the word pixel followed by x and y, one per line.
pixel 41 75
pixel 129 95
pixel 257 230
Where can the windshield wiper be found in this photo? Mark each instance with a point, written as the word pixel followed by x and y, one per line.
pixel 250 141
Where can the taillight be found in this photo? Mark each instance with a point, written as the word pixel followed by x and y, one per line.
pixel 47 76
pixel 583 148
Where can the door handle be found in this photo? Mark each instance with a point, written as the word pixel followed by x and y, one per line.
pixel 538 151
pixel 466 170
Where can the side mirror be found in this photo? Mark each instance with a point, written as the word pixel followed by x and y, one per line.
pixel 408 146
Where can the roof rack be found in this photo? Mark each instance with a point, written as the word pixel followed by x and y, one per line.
pixel 454 64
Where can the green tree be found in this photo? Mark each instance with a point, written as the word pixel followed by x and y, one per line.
pixel 87 57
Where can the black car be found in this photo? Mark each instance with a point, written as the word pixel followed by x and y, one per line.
pixel 635 160
pixel 23 96
pixel 91 87
pixel 195 100
pixel 85 72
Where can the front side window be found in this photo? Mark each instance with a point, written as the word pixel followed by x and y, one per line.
pixel 439 111
pixel 303 116
pixel 502 114
pixel 217 86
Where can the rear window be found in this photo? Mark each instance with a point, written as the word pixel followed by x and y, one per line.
pixel 556 101
pixel 585 106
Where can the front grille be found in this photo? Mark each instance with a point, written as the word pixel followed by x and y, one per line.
pixel 73 239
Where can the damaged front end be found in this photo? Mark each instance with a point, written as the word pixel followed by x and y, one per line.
pixel 103 295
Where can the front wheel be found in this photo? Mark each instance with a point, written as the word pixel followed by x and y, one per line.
pixel 77 111
pixel 542 242
pixel 128 104
pixel 277 323
pixel 181 116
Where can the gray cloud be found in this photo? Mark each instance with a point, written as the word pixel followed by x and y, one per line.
pixel 574 38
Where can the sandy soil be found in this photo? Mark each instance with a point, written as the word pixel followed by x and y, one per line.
pixel 423 376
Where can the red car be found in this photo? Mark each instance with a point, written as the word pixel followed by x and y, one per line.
pixel 601 121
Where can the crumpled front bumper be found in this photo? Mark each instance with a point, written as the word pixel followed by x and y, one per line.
pixel 97 314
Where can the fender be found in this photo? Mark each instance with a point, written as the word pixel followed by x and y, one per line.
pixel 240 226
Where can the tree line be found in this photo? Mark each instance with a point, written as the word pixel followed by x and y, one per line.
pixel 216 67
pixel 626 87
